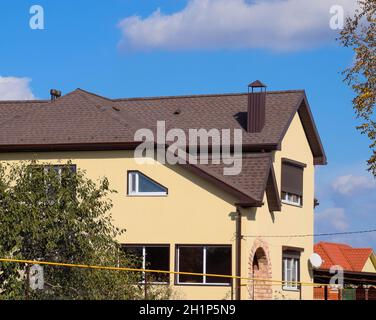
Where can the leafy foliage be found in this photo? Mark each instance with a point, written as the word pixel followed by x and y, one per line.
pixel 359 33
pixel 53 213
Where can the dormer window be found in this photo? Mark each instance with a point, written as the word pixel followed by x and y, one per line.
pixel 292 182
pixel 141 185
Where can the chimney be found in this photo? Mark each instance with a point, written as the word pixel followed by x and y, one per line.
pixel 256 107
pixel 55 94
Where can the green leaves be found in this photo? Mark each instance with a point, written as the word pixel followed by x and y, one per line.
pixel 54 213
pixel 360 34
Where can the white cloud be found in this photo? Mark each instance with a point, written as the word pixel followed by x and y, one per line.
pixel 350 184
pixel 231 24
pixel 334 217
pixel 13 88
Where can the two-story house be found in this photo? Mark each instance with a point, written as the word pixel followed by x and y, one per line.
pixel 191 217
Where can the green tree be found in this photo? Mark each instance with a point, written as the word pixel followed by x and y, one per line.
pixel 359 33
pixel 53 213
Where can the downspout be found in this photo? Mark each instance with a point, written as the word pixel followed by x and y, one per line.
pixel 238 253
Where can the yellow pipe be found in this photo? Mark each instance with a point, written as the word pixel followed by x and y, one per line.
pixel 84 266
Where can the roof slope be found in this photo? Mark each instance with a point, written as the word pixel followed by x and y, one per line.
pixel 349 258
pixel 81 117
pixel 256 177
pixel 81 120
pixel 217 111
pixel 74 118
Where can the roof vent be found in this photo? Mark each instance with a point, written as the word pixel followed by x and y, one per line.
pixel 177 111
pixel 256 107
pixel 55 94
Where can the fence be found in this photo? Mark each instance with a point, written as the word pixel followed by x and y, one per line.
pixel 354 293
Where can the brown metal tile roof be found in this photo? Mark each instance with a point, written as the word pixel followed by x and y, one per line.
pixel 81 120
pixel 226 111
pixel 256 177
pixel 81 117
pixel 252 180
pixel 75 118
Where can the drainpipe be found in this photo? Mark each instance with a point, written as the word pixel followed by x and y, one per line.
pixel 238 253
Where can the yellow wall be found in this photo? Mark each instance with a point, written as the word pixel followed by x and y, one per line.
pixel 370 266
pixel 197 212
pixel 194 212
pixel 290 220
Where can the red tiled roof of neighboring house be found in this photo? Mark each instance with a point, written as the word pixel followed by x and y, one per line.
pixel 349 258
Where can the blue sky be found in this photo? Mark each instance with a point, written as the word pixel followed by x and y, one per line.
pixel 111 48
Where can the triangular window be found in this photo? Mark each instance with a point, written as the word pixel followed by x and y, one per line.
pixel 141 185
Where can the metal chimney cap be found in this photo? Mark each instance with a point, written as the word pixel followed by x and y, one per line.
pixel 55 94
pixel 256 84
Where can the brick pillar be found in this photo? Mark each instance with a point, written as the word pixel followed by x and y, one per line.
pixel 260 268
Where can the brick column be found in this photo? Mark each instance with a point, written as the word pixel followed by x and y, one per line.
pixel 260 267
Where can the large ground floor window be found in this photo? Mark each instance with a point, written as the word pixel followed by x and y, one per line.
pixel 152 257
pixel 207 259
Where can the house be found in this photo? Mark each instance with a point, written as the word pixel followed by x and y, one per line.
pixel 359 271
pixel 191 217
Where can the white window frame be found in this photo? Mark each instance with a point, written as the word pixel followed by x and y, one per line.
pixel 136 193
pixel 285 199
pixel 203 283
pixel 288 284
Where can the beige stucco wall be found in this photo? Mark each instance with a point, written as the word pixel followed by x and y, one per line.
pixel 369 265
pixel 290 220
pixel 196 212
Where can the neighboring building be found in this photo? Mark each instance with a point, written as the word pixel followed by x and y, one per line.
pixel 358 264
pixel 345 256
pixel 191 217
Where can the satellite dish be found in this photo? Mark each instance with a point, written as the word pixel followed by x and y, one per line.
pixel 315 260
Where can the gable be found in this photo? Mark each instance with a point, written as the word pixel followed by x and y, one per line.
pixel 370 265
pixel 295 145
pixel 309 131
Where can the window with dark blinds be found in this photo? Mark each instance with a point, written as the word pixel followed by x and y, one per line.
pixel 292 179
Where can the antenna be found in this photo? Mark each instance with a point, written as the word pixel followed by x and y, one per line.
pixel 315 260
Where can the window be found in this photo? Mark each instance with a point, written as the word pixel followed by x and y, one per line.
pixel 65 174
pixel 291 198
pixel 204 259
pixel 141 185
pixel 153 257
pixel 291 270
pixel 292 182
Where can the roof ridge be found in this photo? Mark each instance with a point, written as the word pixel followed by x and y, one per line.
pixel 203 95
pixel 152 97
pixel 326 252
pixel 107 110
pixel 349 261
pixel 93 94
pixel 335 243
pixel 100 108
pixel 24 101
